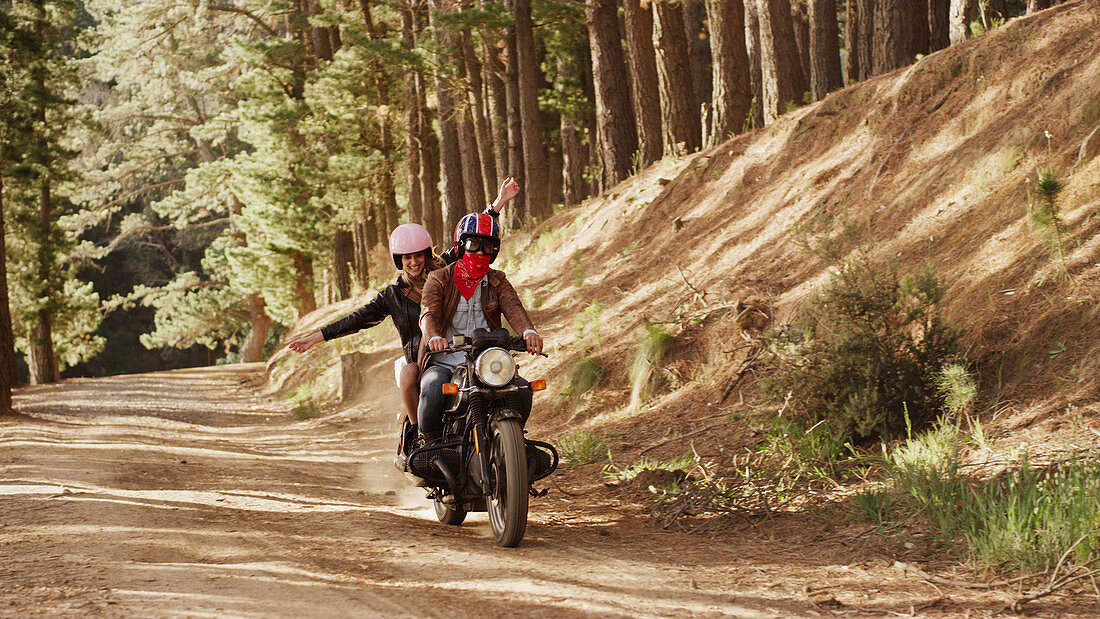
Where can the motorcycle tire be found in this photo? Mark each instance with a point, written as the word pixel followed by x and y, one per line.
pixel 449 514
pixel 508 460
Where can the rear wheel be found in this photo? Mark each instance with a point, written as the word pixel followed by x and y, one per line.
pixel 448 514
pixel 508 460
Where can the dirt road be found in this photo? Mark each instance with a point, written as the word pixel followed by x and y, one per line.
pixel 188 493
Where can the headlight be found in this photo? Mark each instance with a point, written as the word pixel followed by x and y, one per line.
pixel 495 367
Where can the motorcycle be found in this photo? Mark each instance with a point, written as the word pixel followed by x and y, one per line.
pixel 483 462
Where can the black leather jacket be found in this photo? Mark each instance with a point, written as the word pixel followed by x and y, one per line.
pixel 392 302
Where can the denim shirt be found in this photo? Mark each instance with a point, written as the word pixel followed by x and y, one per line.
pixel 469 316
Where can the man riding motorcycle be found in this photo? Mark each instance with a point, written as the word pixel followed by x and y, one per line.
pixel 458 299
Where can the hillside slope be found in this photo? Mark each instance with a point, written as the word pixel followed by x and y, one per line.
pixel 935 163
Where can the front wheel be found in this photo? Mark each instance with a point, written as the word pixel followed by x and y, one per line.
pixel 508 505
pixel 448 514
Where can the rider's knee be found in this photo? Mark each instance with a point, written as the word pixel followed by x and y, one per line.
pixel 409 376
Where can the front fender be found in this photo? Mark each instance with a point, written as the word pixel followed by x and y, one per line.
pixel 507 413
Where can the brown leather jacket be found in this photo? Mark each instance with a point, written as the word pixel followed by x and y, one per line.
pixel 439 301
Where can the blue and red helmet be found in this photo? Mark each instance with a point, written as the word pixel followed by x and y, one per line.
pixel 478 226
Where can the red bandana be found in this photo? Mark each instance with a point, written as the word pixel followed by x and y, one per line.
pixel 468 272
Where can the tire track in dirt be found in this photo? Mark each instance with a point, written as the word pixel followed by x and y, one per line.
pixel 186 492
pixel 189 493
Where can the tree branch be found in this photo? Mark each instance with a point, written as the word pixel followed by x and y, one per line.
pixel 246 13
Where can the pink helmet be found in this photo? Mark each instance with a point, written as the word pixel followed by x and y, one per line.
pixel 409 239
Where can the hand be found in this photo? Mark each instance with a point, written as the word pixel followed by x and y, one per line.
pixel 437 343
pixel 306 342
pixel 534 343
pixel 508 190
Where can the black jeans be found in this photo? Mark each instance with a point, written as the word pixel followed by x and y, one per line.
pixel 429 412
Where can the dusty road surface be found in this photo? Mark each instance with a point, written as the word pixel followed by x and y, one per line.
pixel 187 493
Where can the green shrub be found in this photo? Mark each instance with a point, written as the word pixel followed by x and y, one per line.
pixel 866 352
pixel 583 447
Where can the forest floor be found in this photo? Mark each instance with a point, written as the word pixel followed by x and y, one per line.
pixel 190 493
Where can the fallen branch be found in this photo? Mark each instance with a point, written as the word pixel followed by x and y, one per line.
pixel 680 436
pixel 1061 584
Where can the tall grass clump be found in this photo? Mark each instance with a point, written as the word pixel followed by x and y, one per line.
pixel 647 374
pixel 1026 517
pixel 1031 516
pixel 865 353
pixel 585 374
pixel 583 447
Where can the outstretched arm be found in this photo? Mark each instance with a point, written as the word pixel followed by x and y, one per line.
pixel 508 190
pixel 307 341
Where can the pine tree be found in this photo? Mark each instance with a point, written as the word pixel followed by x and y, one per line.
pixel 53 313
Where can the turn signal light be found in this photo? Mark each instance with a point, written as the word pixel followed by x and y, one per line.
pixel 538 385
pixel 450 389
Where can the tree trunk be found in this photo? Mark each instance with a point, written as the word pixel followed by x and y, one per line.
pixel 962 13
pixel 466 115
pixel 7 335
pixel 752 46
pixel 824 49
pixel 780 67
pixel 1038 5
pixel 516 213
pixel 801 25
pixel 699 58
pixel 642 59
pixel 616 137
pixel 389 203
pixel 679 115
pixel 732 89
pixel 536 183
pixel 888 52
pixel 303 283
pixel 939 35
pixel 573 153
pixel 429 175
pixel 574 160
pixel 252 349
pixel 916 14
pixel 591 128
pixel 41 358
pixel 412 103
pixel 363 247
pixel 472 180
pixel 450 150
pixel 866 35
pixel 343 261
pixel 901 32
pixel 851 43
pixel 370 227
pixel 482 135
pixel 498 109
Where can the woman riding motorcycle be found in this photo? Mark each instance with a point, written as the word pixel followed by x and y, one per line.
pixel 411 248
pixel 458 299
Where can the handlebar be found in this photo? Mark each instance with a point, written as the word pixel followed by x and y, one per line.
pixel 516 343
